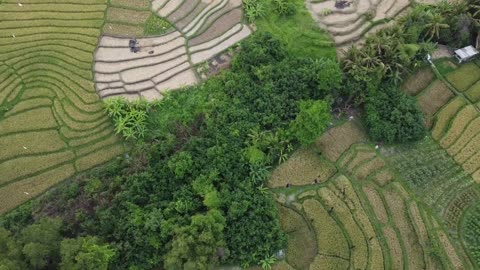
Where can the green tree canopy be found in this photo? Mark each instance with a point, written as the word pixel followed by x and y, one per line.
pixel 41 242
pixel 195 246
pixel 85 253
pixel 312 120
pixel 394 117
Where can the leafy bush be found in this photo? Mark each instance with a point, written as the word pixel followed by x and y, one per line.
pixel 254 9
pixel 129 117
pixel 313 118
pixel 284 7
pixel 393 117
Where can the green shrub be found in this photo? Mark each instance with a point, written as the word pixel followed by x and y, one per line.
pixel 393 117
pixel 284 7
pixel 254 9
pixel 129 117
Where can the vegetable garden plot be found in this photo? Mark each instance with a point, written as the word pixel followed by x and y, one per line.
pixel 48 91
pixel 148 67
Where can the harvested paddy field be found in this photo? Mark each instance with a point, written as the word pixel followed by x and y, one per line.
pixel 52 123
pixel 349 22
pixel 166 61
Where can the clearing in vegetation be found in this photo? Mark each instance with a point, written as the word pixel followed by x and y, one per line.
pixel 52 123
pixel 166 62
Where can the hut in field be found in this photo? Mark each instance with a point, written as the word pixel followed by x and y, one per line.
pixel 466 53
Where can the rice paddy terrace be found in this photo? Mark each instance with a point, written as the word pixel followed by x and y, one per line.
pixel 199 30
pixel 349 21
pixel 361 206
pixel 52 123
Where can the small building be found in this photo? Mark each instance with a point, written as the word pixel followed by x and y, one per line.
pixel 466 53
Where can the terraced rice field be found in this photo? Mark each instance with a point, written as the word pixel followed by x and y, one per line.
pixel 165 62
pixel 350 24
pixel 365 216
pixel 52 123
pixel 452 158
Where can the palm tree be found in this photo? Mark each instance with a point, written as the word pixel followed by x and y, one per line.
pixel 435 24
pixel 267 262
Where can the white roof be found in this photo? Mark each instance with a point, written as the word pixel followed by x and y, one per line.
pixel 466 52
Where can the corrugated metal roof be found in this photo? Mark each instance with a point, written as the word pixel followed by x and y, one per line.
pixel 466 52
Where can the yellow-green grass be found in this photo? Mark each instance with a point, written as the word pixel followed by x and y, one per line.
pixel 37 119
pixel 306 194
pixel 383 176
pixel 433 98
pixel 70 122
pixel 330 238
pixel 338 139
pixel 458 124
pixel 29 104
pixel 464 77
pixel 346 157
pixel 418 81
pixel 303 167
pixel 450 250
pixel 56 57
pixel 473 94
pixel 17 168
pixel 422 233
pixel 127 16
pixel 368 168
pixel 472 130
pixel 49 45
pixel 10 90
pixel 301 245
pixel 31 143
pixel 21 191
pixel 413 249
pixel 476 176
pixel 73 135
pixel 96 158
pixel 105 133
pixel 360 157
pixel 359 255
pixel 117 29
pixel 472 164
pixel 394 246
pixel 280 265
pixel 344 188
pixel 323 262
pixel 376 203
pixel 138 4
pixel 299 32
pixel 445 115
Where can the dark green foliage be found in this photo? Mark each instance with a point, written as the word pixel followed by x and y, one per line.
pixel 190 196
pixel 394 117
pixel 156 25
pixel 85 253
pixel 284 7
pixel 313 118
pixel 199 244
